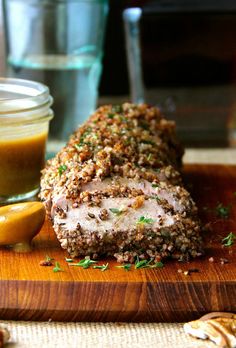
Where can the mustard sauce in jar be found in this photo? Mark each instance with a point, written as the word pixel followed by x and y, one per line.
pixel 24 120
pixel 21 162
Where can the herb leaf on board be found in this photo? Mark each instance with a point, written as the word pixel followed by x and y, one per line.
pixel 229 240
pixel 85 263
pixel 126 266
pixel 57 267
pixel 102 267
pixel 223 211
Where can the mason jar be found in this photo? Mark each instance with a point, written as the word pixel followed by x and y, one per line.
pixel 24 122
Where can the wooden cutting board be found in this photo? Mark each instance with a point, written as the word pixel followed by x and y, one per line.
pixel 29 291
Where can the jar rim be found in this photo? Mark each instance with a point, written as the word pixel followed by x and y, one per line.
pixel 19 95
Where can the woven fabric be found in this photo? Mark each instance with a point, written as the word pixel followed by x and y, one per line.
pixel 216 156
pixel 99 335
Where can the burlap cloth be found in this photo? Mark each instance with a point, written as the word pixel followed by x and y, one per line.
pixel 109 335
pixel 99 335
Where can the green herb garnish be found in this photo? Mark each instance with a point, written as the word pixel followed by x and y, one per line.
pixel 81 144
pixel 86 132
pixel 142 263
pixel 126 266
pixel 154 185
pixel 137 165
pixel 57 267
pixel 102 267
pixel 111 116
pixel 229 240
pixel 149 156
pixel 143 220
pixel 116 211
pixel 148 142
pixel 61 169
pixel 158 264
pixel 48 258
pixel 82 138
pixel 158 199
pixel 147 264
pixel 85 263
pixel 68 260
pixel 123 119
pixel 78 146
pixel 223 211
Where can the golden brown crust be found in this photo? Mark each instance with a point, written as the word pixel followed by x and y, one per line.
pixel 132 141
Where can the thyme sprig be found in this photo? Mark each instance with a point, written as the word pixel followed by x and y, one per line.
pixel 110 115
pixel 147 264
pixel 147 142
pixel 80 145
pixel 223 211
pixel 156 197
pixel 68 260
pixel 144 220
pixel 57 267
pixel 85 263
pixel 102 267
pixel 154 185
pixel 61 169
pixel 126 266
pixel 142 264
pixel 158 264
pixel 229 240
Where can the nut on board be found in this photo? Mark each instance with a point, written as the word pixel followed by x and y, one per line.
pixel 219 327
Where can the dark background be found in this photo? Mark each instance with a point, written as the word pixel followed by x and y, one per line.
pixel 188 63
pixel 184 43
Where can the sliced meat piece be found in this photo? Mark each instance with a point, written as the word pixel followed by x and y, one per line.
pixel 117 227
pixel 176 196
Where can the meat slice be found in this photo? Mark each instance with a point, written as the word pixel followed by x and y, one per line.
pixel 115 189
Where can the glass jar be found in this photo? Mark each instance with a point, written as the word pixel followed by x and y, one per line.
pixel 24 121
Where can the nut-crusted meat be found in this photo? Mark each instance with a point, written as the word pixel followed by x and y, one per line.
pixel 115 189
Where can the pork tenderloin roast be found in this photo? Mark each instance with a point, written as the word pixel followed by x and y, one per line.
pixel 116 189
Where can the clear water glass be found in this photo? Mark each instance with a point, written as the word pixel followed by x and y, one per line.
pixel 59 43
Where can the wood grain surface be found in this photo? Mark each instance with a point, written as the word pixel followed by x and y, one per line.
pixel 29 291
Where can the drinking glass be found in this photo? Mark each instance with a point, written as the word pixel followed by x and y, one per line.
pixel 58 43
